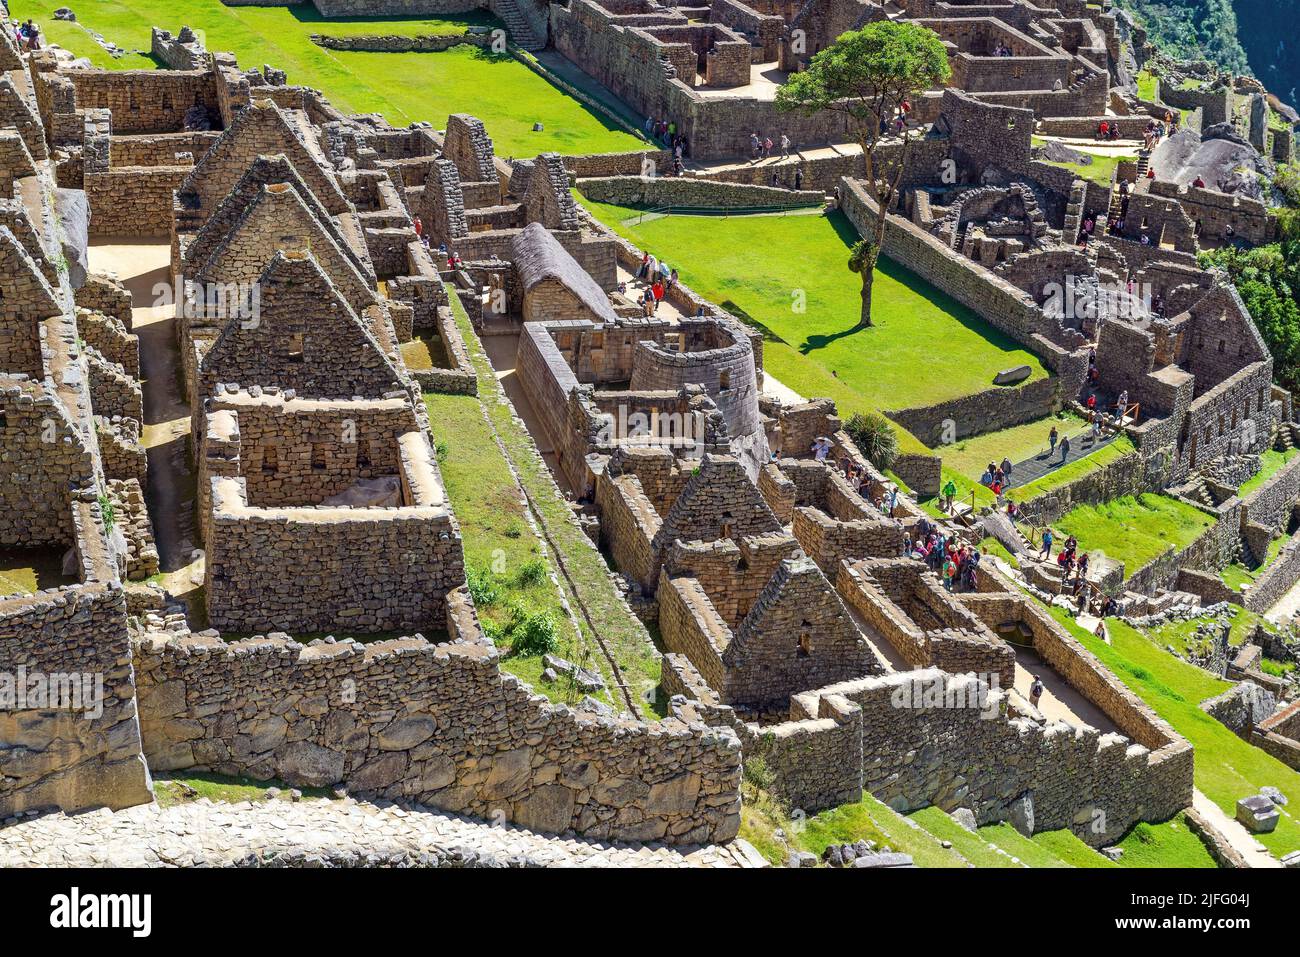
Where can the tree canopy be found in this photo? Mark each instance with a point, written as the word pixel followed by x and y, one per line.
pixel 868 73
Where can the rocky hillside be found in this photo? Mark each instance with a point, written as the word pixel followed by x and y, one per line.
pixel 1245 36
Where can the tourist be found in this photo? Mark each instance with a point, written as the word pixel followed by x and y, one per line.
pixel 1051 440
pixel 891 500
pixel 1092 406
pixel 1046 551
pixel 1035 691
pixel 1121 403
pixel 648 303
pixel 1013 511
pixel 785 145
pixel 949 569
pixel 658 290
pixel 1103 130
pixel 767 148
pixel 1007 466
pixel 755 146
pixel 1065 448
pixel 1198 183
pixel 821 448
pixel 798 178
pixel 672 278
pixel 1100 630
pixel 419 230
pixel 949 493
pixel 1082 568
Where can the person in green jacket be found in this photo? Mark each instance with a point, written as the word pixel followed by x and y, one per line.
pixel 949 493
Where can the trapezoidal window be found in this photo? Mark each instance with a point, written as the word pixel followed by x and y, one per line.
pixel 724 380
pixel 295 347
pixel 804 648
pixel 317 457
pixel 270 459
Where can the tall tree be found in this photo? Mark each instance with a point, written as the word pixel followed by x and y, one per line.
pixel 868 75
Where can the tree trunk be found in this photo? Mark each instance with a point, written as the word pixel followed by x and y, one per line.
pixel 868 277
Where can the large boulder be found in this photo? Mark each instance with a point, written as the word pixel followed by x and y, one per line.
pixel 73 211
pixel 1257 813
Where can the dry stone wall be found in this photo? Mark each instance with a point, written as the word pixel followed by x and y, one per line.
pixel 439 724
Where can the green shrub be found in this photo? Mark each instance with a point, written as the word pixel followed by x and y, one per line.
pixel 532 634
pixel 875 438
pixel 531 573
pixel 482 587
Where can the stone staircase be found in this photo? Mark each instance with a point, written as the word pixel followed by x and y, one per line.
pixel 1288 437
pixel 1144 163
pixel 517 26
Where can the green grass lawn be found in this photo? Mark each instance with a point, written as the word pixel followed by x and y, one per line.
pixel 872 820
pixel 501 549
pixel 972 846
pixel 1269 463
pixel 1237 575
pixel 1226 767
pixel 590 587
pixel 405 87
pixel 173 789
pixel 788 276
pixel 1101 170
pixel 1133 530
pixel 1167 844
pixel 1066 846
pixel 1147 86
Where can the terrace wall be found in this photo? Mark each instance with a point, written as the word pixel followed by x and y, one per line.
pixel 441 725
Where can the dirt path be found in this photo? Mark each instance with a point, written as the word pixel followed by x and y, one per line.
pixel 142 266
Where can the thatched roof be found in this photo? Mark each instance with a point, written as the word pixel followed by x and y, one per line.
pixel 539 256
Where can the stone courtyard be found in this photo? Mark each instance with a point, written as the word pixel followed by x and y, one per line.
pixel 227 305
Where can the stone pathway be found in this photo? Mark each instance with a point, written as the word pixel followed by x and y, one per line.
pixel 343 832
pixel 1045 462
pixel 1242 841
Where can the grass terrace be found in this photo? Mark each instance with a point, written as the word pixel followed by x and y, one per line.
pixel 1227 768
pixel 1101 170
pixel 1133 530
pixel 506 445
pixel 508 568
pixel 1269 463
pixel 25 571
pixel 405 87
pixel 1148 86
pixel 787 275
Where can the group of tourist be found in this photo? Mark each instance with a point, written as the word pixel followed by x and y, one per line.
pixel 760 148
pixel 27 35
pixel 665 133
pixel 1107 130
pixel 953 561
pixel 658 278
pixel 1001 49
pixel 884 499
pixel 1157 130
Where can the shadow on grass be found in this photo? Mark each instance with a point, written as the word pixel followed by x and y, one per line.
pixel 768 335
pixel 919 287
